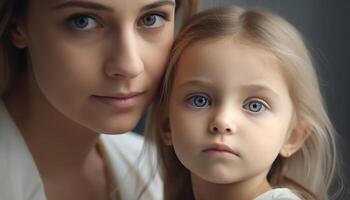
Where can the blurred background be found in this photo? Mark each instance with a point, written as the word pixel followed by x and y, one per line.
pixel 325 25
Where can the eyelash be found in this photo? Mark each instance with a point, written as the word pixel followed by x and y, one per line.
pixel 162 15
pixel 70 20
pixel 192 96
pixel 262 102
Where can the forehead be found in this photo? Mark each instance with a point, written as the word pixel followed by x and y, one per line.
pixel 119 6
pixel 228 57
pixel 103 1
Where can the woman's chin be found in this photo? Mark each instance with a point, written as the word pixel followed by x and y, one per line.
pixel 118 126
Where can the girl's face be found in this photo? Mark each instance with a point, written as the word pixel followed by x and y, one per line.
pixel 230 111
pixel 98 61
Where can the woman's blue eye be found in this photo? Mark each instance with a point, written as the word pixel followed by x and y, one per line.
pixel 199 101
pixel 83 23
pixel 255 106
pixel 152 21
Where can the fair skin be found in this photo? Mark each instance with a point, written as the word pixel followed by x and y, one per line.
pixel 230 116
pixel 93 66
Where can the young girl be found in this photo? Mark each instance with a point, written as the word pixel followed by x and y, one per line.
pixel 70 71
pixel 240 115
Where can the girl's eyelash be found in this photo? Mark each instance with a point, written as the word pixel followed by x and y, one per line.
pixel 196 94
pixel 193 95
pixel 258 100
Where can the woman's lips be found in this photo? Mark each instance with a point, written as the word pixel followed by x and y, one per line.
pixel 220 149
pixel 121 100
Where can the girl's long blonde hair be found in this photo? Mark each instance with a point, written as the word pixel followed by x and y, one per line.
pixel 13 60
pixel 311 170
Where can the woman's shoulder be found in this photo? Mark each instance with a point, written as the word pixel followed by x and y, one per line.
pixel 278 194
pixel 19 177
pixel 132 168
pixel 127 143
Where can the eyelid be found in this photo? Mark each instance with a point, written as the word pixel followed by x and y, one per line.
pixel 163 15
pixel 197 94
pixel 190 96
pixel 260 100
pixel 85 14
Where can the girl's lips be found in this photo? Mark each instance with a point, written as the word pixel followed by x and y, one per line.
pixel 220 148
pixel 121 101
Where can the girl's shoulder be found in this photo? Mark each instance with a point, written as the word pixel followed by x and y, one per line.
pixel 278 194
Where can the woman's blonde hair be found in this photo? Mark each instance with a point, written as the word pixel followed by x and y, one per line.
pixel 311 170
pixel 12 59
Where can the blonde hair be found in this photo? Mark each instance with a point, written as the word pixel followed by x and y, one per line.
pixel 12 59
pixel 311 170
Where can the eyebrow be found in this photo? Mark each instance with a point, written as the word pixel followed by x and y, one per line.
pixel 158 4
pixel 198 82
pixel 82 4
pixel 256 87
pixel 260 87
pixel 97 6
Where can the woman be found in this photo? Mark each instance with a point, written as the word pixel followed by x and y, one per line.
pixel 70 70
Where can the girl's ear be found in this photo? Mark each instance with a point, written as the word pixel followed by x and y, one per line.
pixel 18 34
pixel 166 132
pixel 296 140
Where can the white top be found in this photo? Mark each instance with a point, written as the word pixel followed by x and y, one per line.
pixel 20 179
pixel 278 194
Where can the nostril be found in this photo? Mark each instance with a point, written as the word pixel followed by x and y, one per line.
pixel 218 129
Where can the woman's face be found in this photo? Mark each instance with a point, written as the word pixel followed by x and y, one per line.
pixel 99 62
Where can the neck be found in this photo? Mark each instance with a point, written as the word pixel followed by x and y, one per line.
pixel 56 143
pixel 243 190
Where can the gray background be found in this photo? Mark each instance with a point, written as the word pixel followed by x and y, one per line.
pixel 326 28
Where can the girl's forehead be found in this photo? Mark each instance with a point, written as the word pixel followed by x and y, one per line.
pixel 224 61
pixel 227 54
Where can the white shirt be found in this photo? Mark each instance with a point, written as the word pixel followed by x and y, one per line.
pixel 20 178
pixel 278 194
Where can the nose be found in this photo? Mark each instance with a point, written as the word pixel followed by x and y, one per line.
pixel 125 56
pixel 223 123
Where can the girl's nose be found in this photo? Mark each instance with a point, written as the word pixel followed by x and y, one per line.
pixel 223 123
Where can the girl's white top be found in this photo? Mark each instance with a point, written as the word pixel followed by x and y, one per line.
pixel 278 194
pixel 20 178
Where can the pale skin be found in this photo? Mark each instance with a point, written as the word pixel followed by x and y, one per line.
pixel 230 116
pixel 82 54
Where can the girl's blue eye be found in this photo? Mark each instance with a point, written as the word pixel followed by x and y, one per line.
pixel 255 106
pixel 152 21
pixel 83 23
pixel 199 101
